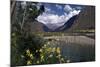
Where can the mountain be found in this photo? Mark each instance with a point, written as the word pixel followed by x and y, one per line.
pixel 85 20
pixel 34 26
pixel 67 25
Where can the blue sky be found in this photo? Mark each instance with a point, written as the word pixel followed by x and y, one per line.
pixel 56 15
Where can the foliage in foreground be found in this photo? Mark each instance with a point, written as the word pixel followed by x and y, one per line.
pixel 33 50
pixel 28 48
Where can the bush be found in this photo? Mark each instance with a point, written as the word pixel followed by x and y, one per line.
pixel 29 49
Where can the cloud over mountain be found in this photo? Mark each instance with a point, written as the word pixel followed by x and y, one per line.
pixel 53 20
pixel 58 6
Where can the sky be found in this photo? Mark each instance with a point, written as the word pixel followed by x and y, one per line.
pixel 56 15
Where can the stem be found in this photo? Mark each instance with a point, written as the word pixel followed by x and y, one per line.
pixel 23 21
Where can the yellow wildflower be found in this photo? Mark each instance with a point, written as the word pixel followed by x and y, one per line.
pixel 68 61
pixel 37 62
pixel 41 50
pixel 53 49
pixel 28 62
pixel 58 50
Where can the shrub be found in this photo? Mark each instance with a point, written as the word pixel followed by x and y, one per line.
pixel 32 50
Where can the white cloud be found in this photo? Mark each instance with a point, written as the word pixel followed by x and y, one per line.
pixel 38 5
pixel 58 6
pixel 78 7
pixel 23 4
pixel 53 21
pixel 67 8
pixel 47 9
pixel 73 13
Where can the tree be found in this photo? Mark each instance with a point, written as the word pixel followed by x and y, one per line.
pixel 28 48
pixel 21 40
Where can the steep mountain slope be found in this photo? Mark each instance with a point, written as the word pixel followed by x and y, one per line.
pixel 66 26
pixel 34 26
pixel 85 20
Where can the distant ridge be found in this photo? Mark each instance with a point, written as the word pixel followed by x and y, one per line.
pixel 84 21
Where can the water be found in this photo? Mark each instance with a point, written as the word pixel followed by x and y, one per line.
pixel 75 48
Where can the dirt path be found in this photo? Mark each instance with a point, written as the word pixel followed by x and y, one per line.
pixel 73 39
